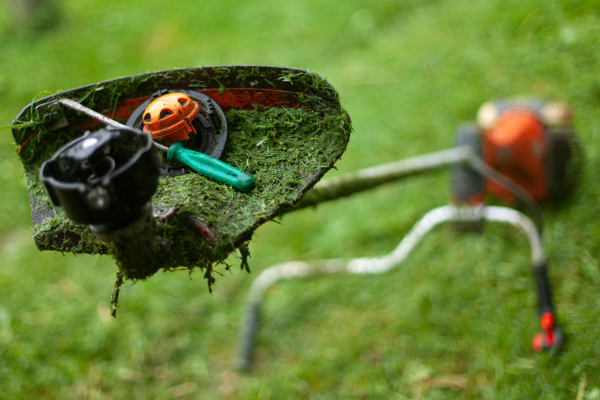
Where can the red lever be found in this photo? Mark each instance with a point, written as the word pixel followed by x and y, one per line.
pixel 546 339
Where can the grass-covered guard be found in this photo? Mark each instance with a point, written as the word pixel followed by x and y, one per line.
pixel 288 132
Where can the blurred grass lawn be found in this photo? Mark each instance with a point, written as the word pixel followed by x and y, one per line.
pixel 408 72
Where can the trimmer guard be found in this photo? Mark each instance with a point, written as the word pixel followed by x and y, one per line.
pixel 285 126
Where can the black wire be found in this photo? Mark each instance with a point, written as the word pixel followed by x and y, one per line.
pixel 480 166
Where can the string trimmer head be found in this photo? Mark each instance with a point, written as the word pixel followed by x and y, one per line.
pixel 285 127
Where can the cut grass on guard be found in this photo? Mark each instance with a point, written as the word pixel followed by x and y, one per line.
pixel 274 131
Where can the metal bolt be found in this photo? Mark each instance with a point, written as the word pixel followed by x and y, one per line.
pixel 98 198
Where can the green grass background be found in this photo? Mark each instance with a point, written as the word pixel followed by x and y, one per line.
pixel 461 309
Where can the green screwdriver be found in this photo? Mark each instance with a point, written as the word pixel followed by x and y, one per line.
pixel 209 166
pixel 199 162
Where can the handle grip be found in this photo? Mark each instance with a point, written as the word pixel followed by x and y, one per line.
pixel 248 333
pixel 211 167
pixel 543 288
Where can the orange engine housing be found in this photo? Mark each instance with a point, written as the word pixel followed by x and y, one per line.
pixel 516 147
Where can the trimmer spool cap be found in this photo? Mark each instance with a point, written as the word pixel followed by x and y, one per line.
pixel 170 117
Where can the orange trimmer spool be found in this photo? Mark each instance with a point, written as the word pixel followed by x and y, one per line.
pixel 170 117
pixel 208 132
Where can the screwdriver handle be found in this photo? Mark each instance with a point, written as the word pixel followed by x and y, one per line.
pixel 211 167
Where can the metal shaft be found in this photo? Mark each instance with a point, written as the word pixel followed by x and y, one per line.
pixel 368 178
pixel 73 105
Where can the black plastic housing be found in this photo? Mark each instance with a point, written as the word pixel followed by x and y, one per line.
pixel 466 184
pixel 103 178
